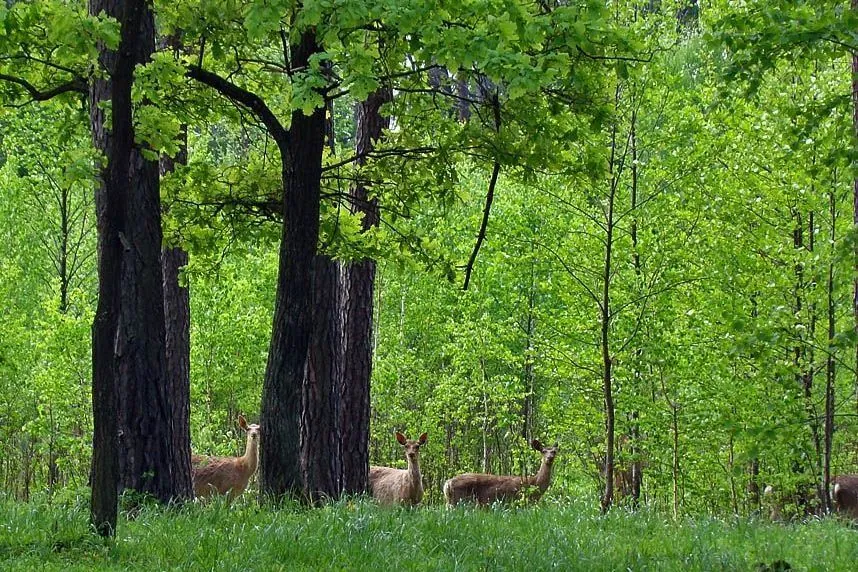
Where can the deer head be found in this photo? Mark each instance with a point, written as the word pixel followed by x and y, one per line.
pixel 548 453
pixel 412 448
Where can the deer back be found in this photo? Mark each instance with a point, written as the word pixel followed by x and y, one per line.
pixel 227 475
pixel 845 494
pixel 482 489
pixel 394 486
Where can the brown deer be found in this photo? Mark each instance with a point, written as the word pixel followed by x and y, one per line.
pixel 227 475
pixel 844 493
pixel 486 489
pixel 399 486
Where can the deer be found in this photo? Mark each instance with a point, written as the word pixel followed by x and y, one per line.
pixel 227 475
pixel 391 486
pixel 772 501
pixel 484 489
pixel 845 495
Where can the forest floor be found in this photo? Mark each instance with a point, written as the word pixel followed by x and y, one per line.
pixel 361 536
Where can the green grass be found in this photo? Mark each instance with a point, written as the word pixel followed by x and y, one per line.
pixel 362 536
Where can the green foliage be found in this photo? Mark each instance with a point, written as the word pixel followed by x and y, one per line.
pixel 718 313
pixel 360 535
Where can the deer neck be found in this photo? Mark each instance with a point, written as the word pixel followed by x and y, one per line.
pixel 414 471
pixel 251 454
pixel 543 476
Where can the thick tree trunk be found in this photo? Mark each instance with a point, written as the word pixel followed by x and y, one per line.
pixel 146 458
pixel 320 418
pixel 359 283
pixel 177 318
pixel 178 364
pixel 111 200
pixel 301 153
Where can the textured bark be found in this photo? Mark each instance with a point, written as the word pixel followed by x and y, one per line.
pixel 359 284
pixel 320 418
pixel 301 152
pixel 111 199
pixel 146 456
pixel 177 318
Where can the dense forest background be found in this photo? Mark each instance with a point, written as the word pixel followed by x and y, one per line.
pixel 666 194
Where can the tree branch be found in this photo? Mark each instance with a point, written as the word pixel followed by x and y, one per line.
pixel 490 195
pixel 245 98
pixel 77 84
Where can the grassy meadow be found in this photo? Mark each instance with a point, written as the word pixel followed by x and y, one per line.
pixel 358 535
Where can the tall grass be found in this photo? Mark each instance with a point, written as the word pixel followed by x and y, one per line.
pixel 357 535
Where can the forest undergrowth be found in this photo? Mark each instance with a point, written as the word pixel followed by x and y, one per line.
pixel 561 534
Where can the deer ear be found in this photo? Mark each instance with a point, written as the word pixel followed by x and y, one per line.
pixel 401 438
pixel 422 439
pixel 242 422
pixel 557 444
pixel 536 445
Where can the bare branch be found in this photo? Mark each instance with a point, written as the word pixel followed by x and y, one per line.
pixel 76 85
pixel 243 97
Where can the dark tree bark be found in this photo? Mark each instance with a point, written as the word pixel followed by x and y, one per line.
pixel 146 456
pixel 358 308
pixel 301 152
pixel 177 318
pixel 111 200
pixel 527 406
pixel 301 162
pixel 320 418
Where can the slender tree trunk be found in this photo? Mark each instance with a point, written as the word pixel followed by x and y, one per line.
pixel 64 250
pixel 359 284
pixel 855 192
pixel 753 487
pixel 810 405
pixel 605 318
pixel 799 354
pixel 111 200
pixel 674 429
pixel 830 364
pixel 301 154
pixel 320 418
pixel 634 432
pixel 529 381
